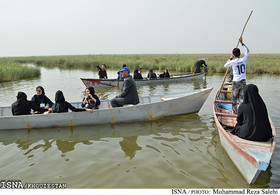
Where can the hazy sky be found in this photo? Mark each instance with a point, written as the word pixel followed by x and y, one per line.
pixel 69 27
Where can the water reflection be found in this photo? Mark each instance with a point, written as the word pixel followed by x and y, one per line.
pixel 67 146
pixel 66 138
pixel 129 146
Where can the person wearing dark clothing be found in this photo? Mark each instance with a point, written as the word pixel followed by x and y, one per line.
pixel 252 118
pixel 40 99
pixel 198 64
pixel 23 107
pixel 129 93
pixel 102 72
pixel 91 100
pixel 62 106
pixel 165 74
pixel 151 75
pixel 137 75
pixel 120 74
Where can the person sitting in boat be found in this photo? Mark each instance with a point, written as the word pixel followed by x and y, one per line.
pixel 119 73
pixel 198 64
pixel 90 100
pixel 165 74
pixel 61 105
pixel 23 107
pixel 129 93
pixel 252 118
pixel 137 75
pixel 140 71
pixel 102 72
pixel 151 75
pixel 40 99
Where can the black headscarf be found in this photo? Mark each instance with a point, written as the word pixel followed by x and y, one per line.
pixel 59 105
pixel 135 71
pixel 59 97
pixel 21 96
pixel 91 90
pixel 43 91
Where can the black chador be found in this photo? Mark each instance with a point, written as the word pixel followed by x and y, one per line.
pixel 252 118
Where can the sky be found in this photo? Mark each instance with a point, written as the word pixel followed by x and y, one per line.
pixel 81 27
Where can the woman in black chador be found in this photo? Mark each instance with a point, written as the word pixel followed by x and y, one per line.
pixel 137 75
pixel 62 106
pixel 40 99
pixel 23 107
pixel 90 100
pixel 252 118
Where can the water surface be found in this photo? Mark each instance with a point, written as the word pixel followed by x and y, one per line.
pixel 178 152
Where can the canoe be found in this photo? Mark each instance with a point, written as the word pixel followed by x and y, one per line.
pixel 150 108
pixel 90 82
pixel 250 157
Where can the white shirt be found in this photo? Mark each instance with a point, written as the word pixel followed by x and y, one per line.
pixel 239 66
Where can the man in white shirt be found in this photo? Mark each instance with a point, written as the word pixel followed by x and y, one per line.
pixel 239 74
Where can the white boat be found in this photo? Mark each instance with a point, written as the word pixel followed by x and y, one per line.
pixel 150 108
pixel 250 157
pixel 90 82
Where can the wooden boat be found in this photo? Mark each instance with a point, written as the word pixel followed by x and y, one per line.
pixel 150 108
pixel 89 82
pixel 250 157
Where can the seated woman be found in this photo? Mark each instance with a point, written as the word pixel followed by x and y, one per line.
pixel 137 75
pixel 40 99
pixel 23 107
pixel 151 75
pixel 165 74
pixel 61 105
pixel 91 100
pixel 252 118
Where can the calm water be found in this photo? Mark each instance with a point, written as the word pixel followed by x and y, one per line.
pixel 178 152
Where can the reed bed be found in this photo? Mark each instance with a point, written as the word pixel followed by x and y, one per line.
pixel 257 63
pixel 15 71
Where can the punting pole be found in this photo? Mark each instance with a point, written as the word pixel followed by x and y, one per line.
pixel 236 46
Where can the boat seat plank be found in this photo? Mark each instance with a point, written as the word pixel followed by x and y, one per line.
pixel 225 91
pixel 224 101
pixel 227 86
pixel 224 114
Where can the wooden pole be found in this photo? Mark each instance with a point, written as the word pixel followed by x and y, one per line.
pixel 236 46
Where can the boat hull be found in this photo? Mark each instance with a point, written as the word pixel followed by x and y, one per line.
pixel 250 157
pixel 89 82
pixel 150 108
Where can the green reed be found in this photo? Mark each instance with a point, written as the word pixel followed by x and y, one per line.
pixel 16 71
pixel 257 63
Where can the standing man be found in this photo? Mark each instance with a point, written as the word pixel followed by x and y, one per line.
pixel 102 72
pixel 129 93
pixel 199 64
pixel 239 74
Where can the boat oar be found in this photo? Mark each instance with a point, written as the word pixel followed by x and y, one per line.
pixel 235 47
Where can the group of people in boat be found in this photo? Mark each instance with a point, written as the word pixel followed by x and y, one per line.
pixel 40 103
pixel 137 75
pixel 252 117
